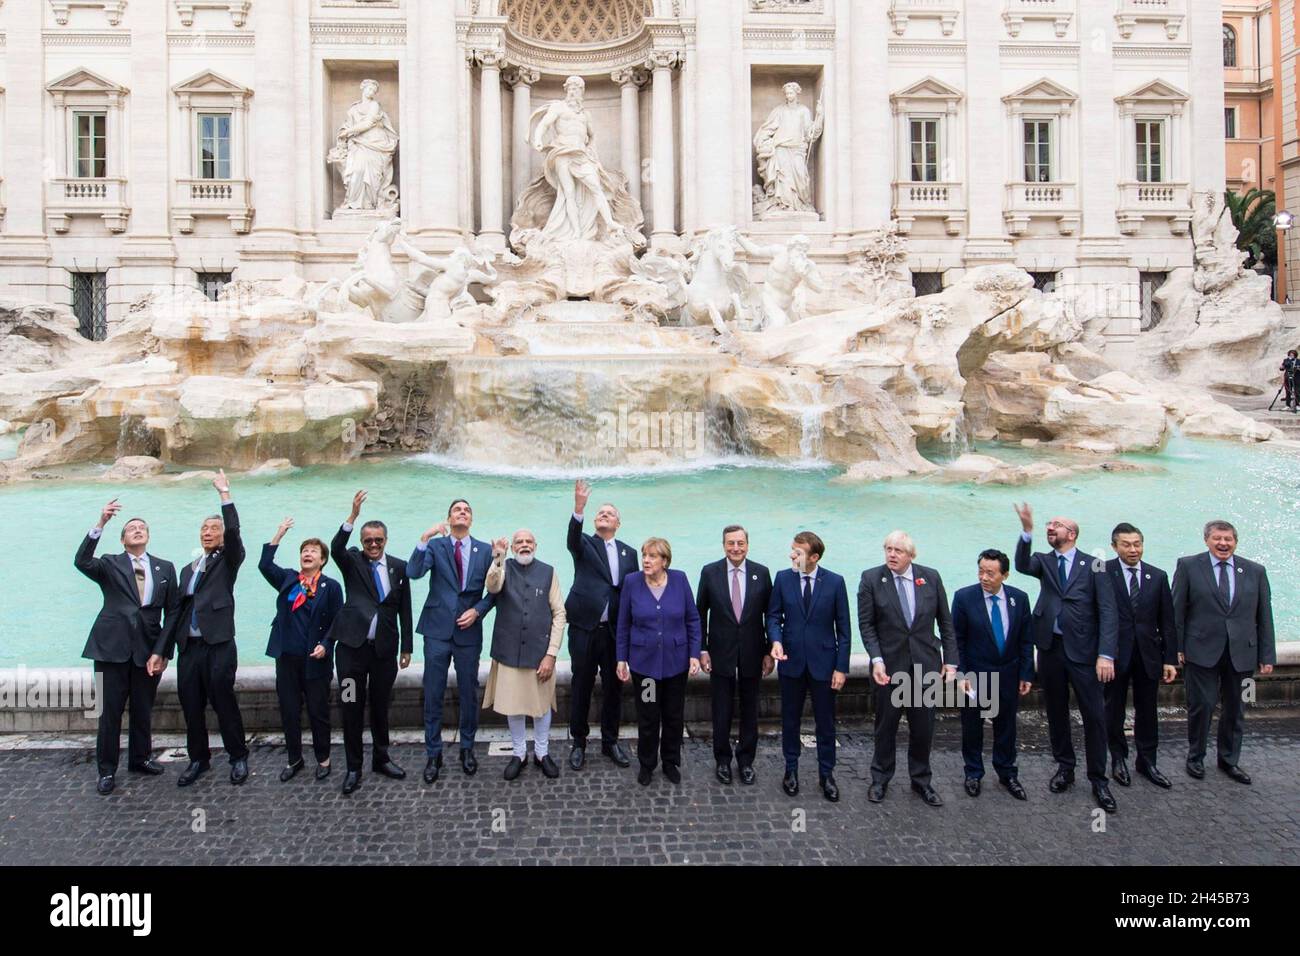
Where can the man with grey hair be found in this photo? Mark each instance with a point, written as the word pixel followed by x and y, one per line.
pixel 1223 615
pixel 900 605
pixel 526 638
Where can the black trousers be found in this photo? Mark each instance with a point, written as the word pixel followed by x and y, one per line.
pixel 1057 673
pixel 660 718
pixel 122 684
pixel 723 691
pixel 1205 685
pixel 1291 390
pixel 363 676
pixel 1146 733
pixel 920 737
pixel 293 687
pixel 1004 728
pixel 590 651
pixel 206 675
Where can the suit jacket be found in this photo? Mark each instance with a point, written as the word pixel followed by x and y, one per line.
pixel 734 646
pixel 1086 606
pixel 816 641
pixel 976 648
pixel 1151 631
pixel 447 601
pixel 884 628
pixel 213 600
pixel 658 636
pixel 124 629
pixel 1203 623
pixel 352 623
pixel 592 586
pixel 323 608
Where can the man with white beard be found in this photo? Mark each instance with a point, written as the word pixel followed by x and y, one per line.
pixel 526 638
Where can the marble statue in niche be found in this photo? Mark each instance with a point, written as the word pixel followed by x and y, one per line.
pixel 363 154
pixel 782 149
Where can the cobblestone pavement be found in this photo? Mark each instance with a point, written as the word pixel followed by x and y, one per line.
pixel 50 813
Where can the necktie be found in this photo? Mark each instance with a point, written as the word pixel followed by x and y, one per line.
pixel 139 578
pixel 460 567
pixel 194 610
pixel 1061 573
pixel 999 635
pixel 735 593
pixel 379 581
pixel 1225 591
pixel 902 599
pixel 1133 587
pixel 807 593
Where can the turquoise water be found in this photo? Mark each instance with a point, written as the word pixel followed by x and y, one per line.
pixel 48 606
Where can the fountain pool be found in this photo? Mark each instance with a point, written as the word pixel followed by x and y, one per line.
pixel 48 606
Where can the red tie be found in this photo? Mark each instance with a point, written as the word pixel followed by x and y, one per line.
pixel 460 573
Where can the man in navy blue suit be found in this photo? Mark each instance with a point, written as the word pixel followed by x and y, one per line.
pixel 1076 632
pixel 995 657
pixel 808 624
pixel 452 626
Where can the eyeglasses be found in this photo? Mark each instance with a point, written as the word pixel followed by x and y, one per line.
pixel 372 540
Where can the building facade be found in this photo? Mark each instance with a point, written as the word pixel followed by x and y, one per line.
pixel 188 141
pixel 1250 157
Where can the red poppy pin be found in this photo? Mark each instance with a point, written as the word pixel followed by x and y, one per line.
pixel 919 582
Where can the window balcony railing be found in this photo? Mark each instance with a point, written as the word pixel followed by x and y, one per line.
pixel 1026 201
pixel 946 201
pixel 1058 12
pixel 1141 201
pixel 218 198
pixel 1168 13
pixel 71 196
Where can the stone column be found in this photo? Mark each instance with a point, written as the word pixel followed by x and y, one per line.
pixel 438 93
pixel 271 250
pixel 491 215
pixel 662 188
pixel 717 43
pixel 982 173
pixel 23 247
pixel 1205 32
pixel 521 80
pixel 873 168
pixel 629 82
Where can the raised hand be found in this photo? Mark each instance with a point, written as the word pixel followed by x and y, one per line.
pixel 109 512
pixel 221 483
pixel 357 500
pixel 1026 514
pixel 285 525
pixel 581 492
pixel 440 528
pixel 499 547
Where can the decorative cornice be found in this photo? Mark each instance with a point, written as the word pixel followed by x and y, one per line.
pixel 927 48
pixel 359 32
pixel 215 39
pixel 1048 50
pixel 787 6
pixel 85 39
pixel 789 38
pixel 1149 51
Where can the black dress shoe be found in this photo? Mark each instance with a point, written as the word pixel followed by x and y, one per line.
pixel 747 776
pixel 513 767
pixel 672 773
pixel 468 762
pixel 1015 788
pixel 972 786
pixel 105 785
pixel 351 780
pixel 1101 793
pixel 431 769
pixel 390 770
pixel 616 753
pixel 829 790
pixel 1235 772
pixel 1119 772
pixel 1153 774
pixel 291 771
pixel 1061 781
pixel 322 771
pixel 876 792
pixel 152 767
pixel 723 773
pixel 791 783
pixel 1196 768
pixel 577 756
pixel 550 769
pixel 927 793
pixel 196 769
pixel 239 771
pixel 643 776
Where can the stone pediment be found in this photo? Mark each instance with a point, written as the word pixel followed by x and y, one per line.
pixel 83 81
pixel 929 88
pixel 1041 91
pixel 1155 90
pixel 211 83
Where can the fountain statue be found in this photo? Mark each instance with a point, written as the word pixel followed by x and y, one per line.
pixel 782 148
pixel 789 274
pixel 363 152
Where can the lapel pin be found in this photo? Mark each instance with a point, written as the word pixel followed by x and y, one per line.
pixel 1147 576
pixel 918 582
pixel 1012 600
pixel 753 577
pixel 1241 570
pixel 884 580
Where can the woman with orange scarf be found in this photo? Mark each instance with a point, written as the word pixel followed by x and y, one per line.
pixel 305 606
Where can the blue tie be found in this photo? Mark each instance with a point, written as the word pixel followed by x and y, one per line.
pixel 1060 570
pixel 194 612
pixel 999 635
pixel 379 582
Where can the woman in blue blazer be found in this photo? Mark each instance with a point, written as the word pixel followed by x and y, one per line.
pixel 304 610
pixel 658 646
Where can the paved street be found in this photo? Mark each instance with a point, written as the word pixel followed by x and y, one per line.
pixel 50 813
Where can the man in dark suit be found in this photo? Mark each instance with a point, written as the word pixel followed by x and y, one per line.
pixel 995 660
pixel 900 605
pixel 1077 635
pixel 375 614
pixel 1147 653
pixel 732 600
pixel 808 626
pixel 137 588
pixel 452 626
pixel 204 627
pixel 1223 613
pixel 600 563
